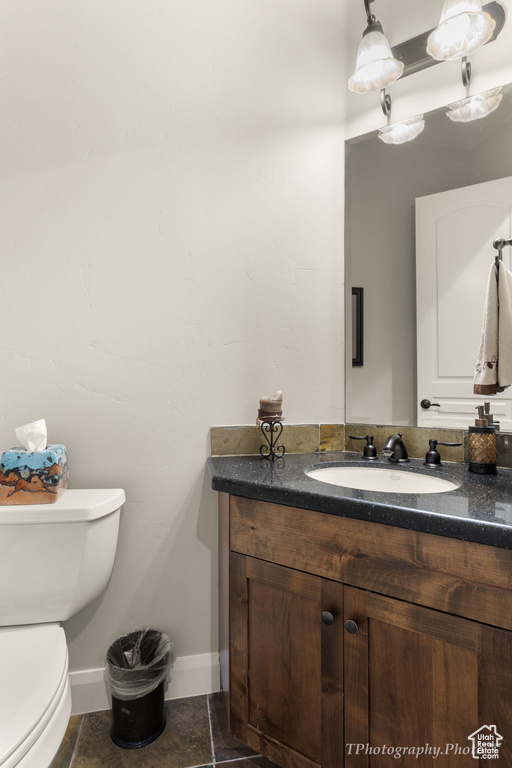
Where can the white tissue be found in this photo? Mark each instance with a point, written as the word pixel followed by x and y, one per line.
pixel 33 436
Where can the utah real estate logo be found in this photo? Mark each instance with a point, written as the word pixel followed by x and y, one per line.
pixel 486 743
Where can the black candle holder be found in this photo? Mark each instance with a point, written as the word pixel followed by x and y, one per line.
pixel 271 431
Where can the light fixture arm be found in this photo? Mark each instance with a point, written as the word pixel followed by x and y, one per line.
pixel 385 102
pixel 466 71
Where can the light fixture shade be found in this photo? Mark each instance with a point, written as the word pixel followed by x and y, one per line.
pixel 399 133
pixel 463 28
pixel 375 66
pixel 475 107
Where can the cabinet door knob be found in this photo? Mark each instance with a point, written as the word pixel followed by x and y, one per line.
pixel 327 618
pixel 351 626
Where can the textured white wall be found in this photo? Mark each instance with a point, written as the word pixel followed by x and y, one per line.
pixel 171 224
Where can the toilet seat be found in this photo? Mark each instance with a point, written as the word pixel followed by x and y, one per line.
pixel 35 697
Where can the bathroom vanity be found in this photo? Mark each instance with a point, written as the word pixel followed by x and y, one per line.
pixel 361 618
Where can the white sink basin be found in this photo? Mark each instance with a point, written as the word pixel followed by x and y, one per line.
pixel 384 480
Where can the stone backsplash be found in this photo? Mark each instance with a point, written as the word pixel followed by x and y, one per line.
pixel 310 438
pixel 415 438
pixel 297 438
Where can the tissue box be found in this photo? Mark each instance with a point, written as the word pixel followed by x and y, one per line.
pixel 33 477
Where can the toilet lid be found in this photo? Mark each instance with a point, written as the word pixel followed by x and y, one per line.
pixel 33 662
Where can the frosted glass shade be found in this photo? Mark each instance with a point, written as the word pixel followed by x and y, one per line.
pixel 475 107
pixel 375 66
pixel 399 133
pixel 463 28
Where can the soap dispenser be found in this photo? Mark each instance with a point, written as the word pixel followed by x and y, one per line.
pixel 482 446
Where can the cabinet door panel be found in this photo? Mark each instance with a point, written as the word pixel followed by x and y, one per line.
pixel 284 666
pixel 495 687
pixel 417 678
pixel 286 671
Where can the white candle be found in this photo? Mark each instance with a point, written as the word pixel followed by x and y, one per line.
pixel 272 402
pixel 270 407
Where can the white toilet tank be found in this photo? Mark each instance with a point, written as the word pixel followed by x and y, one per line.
pixel 56 558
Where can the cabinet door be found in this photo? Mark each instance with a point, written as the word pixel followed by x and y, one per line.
pixel 286 663
pixel 418 678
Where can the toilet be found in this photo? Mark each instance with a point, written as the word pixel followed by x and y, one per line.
pixel 54 560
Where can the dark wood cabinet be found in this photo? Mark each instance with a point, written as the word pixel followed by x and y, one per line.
pixel 322 671
pixel 286 662
pixel 415 677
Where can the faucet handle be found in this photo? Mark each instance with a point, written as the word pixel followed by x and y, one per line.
pixel 369 451
pixel 433 457
pixel 449 445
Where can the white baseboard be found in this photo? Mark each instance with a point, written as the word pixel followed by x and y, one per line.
pixel 190 676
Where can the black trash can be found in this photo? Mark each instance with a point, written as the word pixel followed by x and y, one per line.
pixel 138 665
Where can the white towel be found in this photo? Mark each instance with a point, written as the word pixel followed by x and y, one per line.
pixel 494 363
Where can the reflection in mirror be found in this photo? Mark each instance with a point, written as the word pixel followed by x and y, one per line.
pixel 383 183
pixel 357 326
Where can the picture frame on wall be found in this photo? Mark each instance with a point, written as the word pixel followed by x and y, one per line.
pixel 357 326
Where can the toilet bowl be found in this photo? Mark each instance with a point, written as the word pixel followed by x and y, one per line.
pixel 54 560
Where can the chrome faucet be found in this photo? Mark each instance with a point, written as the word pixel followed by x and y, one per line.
pixel 395 450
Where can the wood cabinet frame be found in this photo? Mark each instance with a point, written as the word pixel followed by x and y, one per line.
pixel 452 593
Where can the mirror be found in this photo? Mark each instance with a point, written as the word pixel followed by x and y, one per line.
pixel 382 184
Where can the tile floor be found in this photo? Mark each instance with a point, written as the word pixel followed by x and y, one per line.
pixel 195 735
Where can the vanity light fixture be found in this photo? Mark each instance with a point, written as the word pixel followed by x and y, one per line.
pixel 475 107
pixel 399 133
pixel 376 68
pixel 464 27
pixel 413 53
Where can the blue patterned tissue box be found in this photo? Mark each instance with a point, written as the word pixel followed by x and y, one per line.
pixel 33 477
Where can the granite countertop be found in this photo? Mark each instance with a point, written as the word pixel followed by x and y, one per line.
pixel 479 510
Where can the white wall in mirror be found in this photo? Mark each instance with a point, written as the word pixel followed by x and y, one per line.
pixel 382 185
